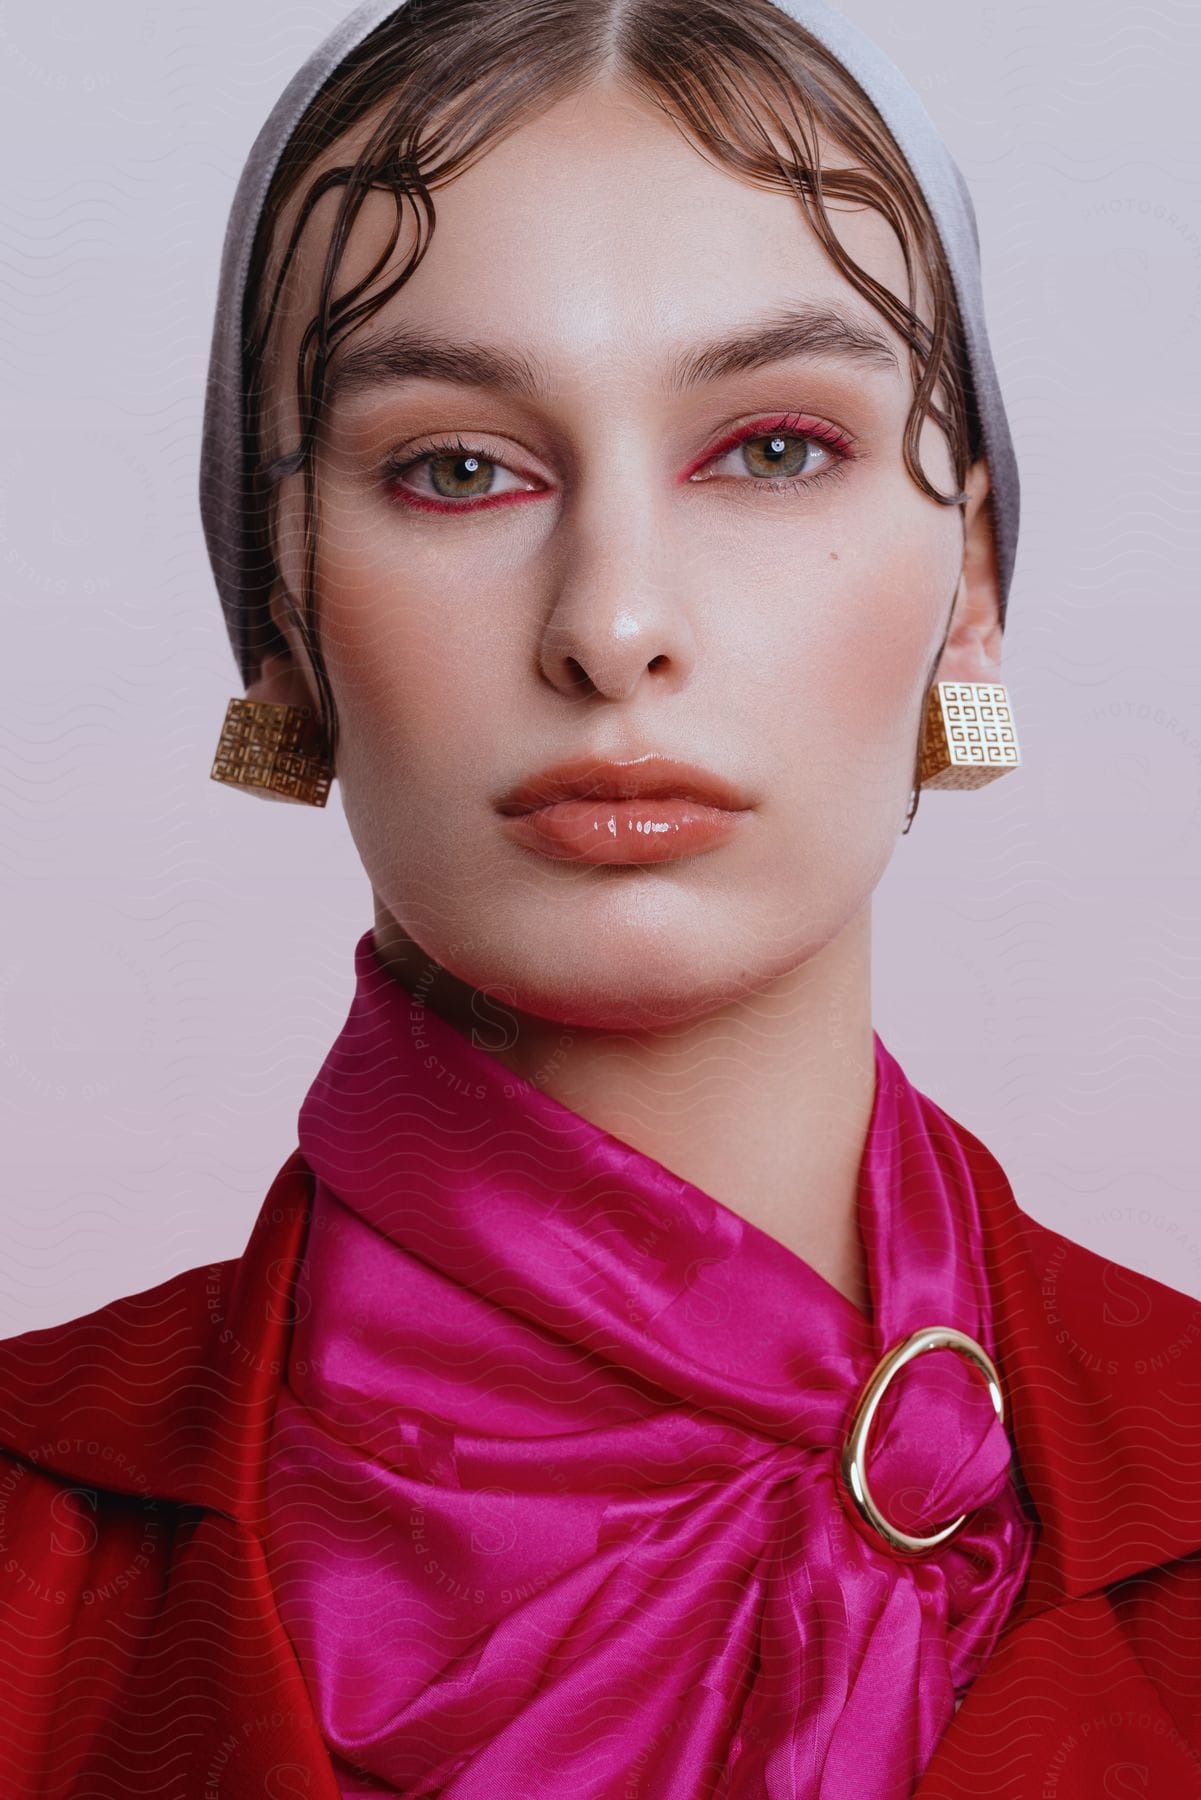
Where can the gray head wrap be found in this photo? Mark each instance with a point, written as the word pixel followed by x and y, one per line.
pixel 936 172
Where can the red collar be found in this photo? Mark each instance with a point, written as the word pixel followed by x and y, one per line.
pixel 171 1392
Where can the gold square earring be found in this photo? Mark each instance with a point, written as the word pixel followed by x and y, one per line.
pixel 273 749
pixel 968 736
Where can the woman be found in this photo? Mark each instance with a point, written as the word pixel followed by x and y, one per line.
pixel 633 1386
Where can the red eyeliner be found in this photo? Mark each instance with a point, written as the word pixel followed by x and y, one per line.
pixel 793 424
pixel 423 502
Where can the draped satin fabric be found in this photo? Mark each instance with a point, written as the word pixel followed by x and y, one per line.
pixel 551 1501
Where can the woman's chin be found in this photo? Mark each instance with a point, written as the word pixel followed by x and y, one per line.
pixel 583 987
pixel 650 956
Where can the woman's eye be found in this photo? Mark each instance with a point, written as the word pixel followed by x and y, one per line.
pixel 453 472
pixel 777 455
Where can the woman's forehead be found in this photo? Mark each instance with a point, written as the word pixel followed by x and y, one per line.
pixel 597 219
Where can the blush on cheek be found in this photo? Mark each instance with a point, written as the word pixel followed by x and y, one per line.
pixel 880 696
pixel 884 653
pixel 378 641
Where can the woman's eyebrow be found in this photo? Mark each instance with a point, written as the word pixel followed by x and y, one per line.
pixel 408 353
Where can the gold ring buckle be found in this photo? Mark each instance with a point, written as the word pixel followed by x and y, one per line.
pixel 854 1451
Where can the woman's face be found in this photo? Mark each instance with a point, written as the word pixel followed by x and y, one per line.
pixel 662 549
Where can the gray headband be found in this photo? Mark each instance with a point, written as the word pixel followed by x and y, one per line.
pixel 221 456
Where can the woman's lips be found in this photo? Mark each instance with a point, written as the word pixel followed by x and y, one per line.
pixel 643 809
pixel 624 831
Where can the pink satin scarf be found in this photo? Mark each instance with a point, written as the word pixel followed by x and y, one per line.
pixel 551 1484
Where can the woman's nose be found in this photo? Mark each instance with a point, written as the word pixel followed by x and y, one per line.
pixel 620 609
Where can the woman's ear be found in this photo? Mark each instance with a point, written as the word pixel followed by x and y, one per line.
pixel 280 682
pixel 285 677
pixel 972 651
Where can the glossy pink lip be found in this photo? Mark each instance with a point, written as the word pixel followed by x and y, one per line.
pixel 647 809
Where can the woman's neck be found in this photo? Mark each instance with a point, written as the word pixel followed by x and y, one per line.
pixel 764 1104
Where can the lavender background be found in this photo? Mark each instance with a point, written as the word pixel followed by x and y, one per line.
pixel 175 959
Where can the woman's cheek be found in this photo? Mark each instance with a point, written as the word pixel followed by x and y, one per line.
pixel 889 640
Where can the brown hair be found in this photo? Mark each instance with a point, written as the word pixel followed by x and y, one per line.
pixel 741 78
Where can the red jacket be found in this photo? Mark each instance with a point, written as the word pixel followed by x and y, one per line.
pixel 140 1649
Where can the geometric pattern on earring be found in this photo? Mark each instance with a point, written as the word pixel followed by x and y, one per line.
pixel 270 748
pixel 968 735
